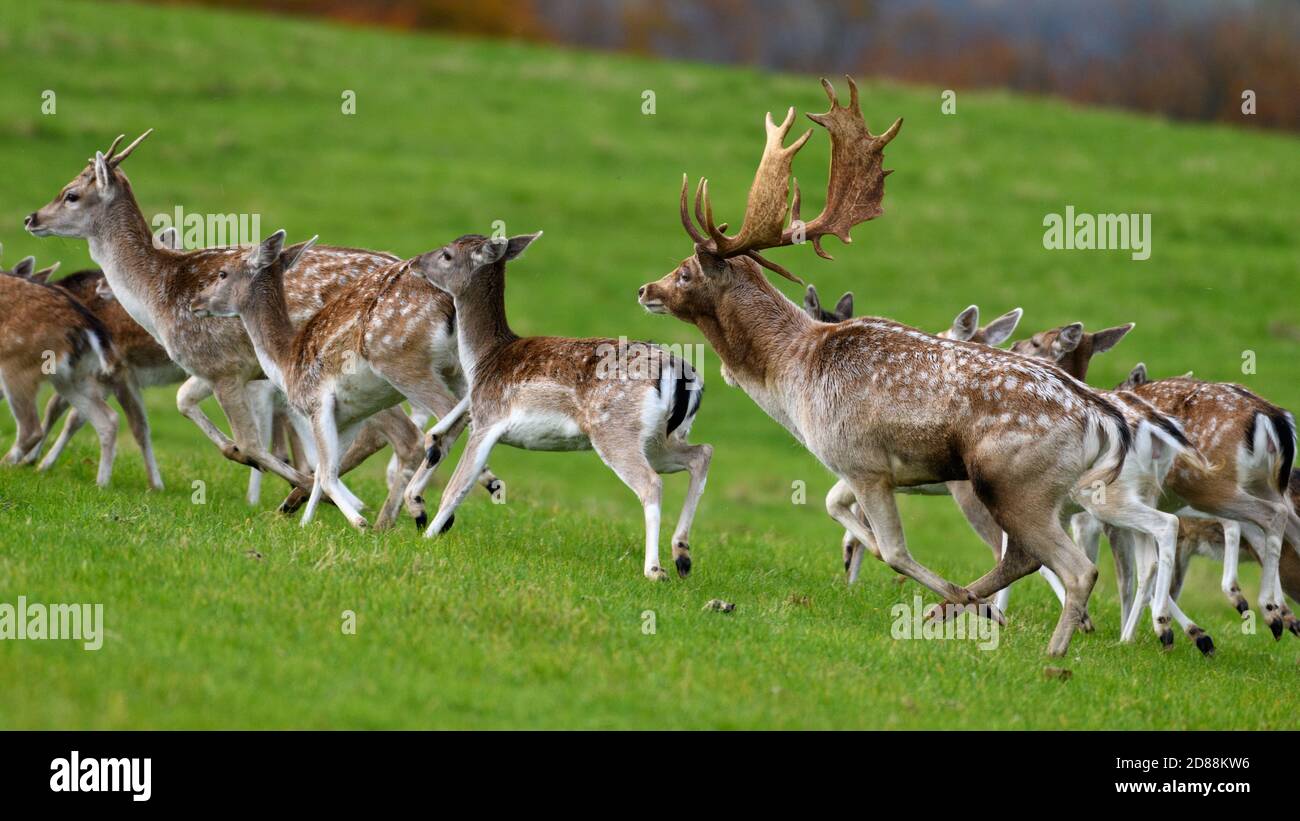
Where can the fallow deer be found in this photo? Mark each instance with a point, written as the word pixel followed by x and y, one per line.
pixel 47 334
pixel 631 402
pixel 156 284
pixel 1141 535
pixel 1251 444
pixel 383 338
pixel 883 405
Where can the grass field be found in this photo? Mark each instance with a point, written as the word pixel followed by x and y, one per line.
pixel 530 614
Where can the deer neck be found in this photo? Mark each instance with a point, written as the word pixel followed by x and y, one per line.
pixel 1075 363
pixel 265 314
pixel 122 245
pixel 753 329
pixel 481 325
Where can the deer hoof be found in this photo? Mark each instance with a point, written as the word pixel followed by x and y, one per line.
pixel 1166 639
pixel 451 520
pixel 683 563
pixel 421 522
pixel 1086 625
pixel 1275 626
pixel 1205 644
pixel 1242 607
pixel 656 574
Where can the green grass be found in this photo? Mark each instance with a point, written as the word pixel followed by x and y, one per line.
pixel 530 614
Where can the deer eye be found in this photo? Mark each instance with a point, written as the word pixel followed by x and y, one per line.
pixel 446 256
pixel 71 196
pixel 221 275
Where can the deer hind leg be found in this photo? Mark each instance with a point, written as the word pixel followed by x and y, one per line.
pixel 88 399
pixel 404 435
pixel 128 395
pixel 232 395
pixel 261 400
pixel 54 409
pixel 840 501
pixel 20 390
pixel 1144 558
pixel 876 498
pixel 330 444
pixel 985 526
pixel 70 427
pixel 694 459
pixel 622 452
pixel 471 464
pixel 1231 558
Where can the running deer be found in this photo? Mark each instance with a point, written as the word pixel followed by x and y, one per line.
pixel 382 339
pixel 47 334
pixel 1141 535
pixel 1251 443
pixel 631 402
pixel 883 405
pixel 155 285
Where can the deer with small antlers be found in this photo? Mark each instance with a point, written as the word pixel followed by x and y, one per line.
pixel 631 402
pixel 47 334
pixel 1251 444
pixel 382 339
pixel 155 284
pixel 883 405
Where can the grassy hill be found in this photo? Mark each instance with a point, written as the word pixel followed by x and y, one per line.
pixel 532 613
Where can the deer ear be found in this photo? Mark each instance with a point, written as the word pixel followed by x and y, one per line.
pixel 1067 339
pixel 844 308
pixel 1103 341
pixel 1001 329
pixel 266 252
pixel 966 323
pixel 517 245
pixel 168 237
pixel 24 267
pixel 103 174
pixel 1138 376
pixel 42 276
pixel 294 252
pixel 812 303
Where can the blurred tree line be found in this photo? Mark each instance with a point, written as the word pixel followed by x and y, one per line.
pixel 1187 59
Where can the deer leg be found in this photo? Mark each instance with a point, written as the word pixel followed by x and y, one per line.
pixel 128 395
pixel 629 463
pixel 1231 558
pixel 247 446
pixel 1085 530
pixel 54 409
pixel 330 443
pixel 840 501
pixel 471 464
pixel 695 460
pixel 89 402
pixel 70 427
pixel 405 437
pixel 985 526
pixel 261 400
pixel 20 390
pixel 876 498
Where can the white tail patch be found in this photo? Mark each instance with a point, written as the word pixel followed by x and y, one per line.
pixel 99 352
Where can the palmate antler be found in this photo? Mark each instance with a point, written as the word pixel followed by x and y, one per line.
pixel 853 191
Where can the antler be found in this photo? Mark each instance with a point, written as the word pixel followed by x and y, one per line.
pixel 854 190
pixel 126 152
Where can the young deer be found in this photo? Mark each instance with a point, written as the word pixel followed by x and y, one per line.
pixel 632 403
pixel 382 339
pixel 1141 535
pixel 1251 443
pixel 156 284
pixel 47 334
pixel 883 405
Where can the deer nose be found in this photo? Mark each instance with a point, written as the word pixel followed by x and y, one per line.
pixel 640 292
pixel 29 220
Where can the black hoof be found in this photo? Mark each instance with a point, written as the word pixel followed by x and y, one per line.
pixel 1294 627
pixel 1242 607
pixel 1167 639
pixel 432 456
pixel 683 563
pixel 1205 644
pixel 451 520
pixel 493 486
pixel 1086 625
pixel 421 521
pixel 1276 627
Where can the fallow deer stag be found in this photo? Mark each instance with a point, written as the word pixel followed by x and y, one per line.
pixel 883 405
pixel 633 403
pixel 382 339
pixel 47 334
pixel 155 285
pixel 1251 444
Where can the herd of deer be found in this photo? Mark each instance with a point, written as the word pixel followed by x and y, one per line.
pixel 310 351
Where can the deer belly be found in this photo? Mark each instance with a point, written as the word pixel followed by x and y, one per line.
pixel 543 430
pixel 362 394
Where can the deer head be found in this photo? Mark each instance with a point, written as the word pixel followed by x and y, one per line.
pixel 1070 347
pixel 238 287
pixel 721 261
pixel 82 202
pixel 456 266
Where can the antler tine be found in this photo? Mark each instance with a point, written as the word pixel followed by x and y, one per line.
pixel 126 152
pixel 691 230
pixel 772 266
pixel 113 147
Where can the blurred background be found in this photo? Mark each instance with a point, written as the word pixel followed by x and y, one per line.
pixel 1187 59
